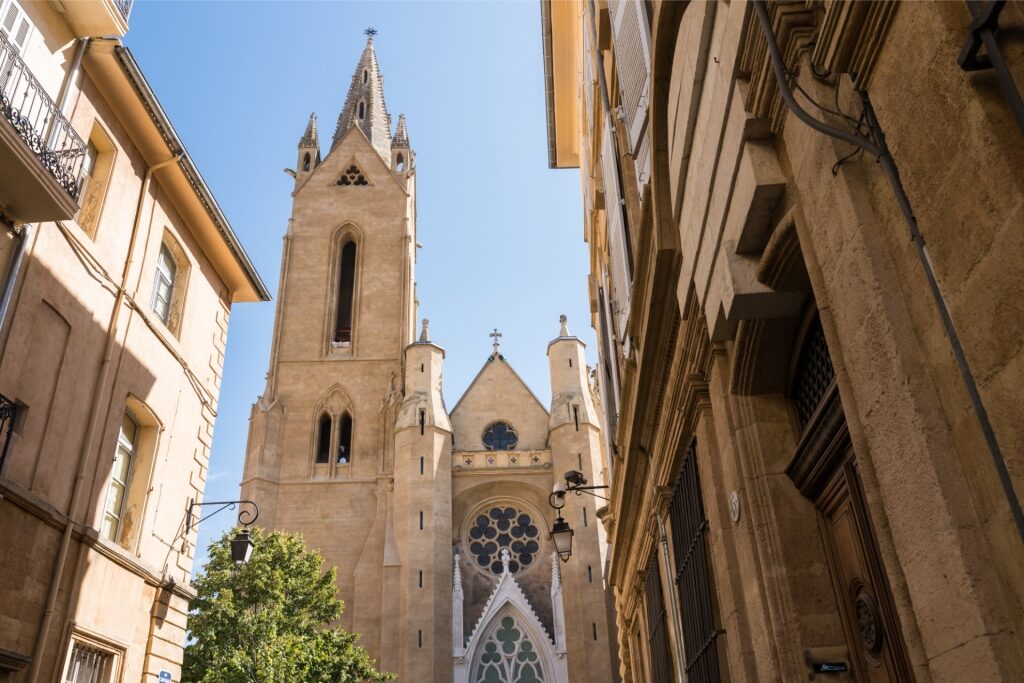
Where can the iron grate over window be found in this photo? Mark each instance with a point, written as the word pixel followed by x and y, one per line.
pixel 657 640
pixel 8 412
pixel 814 373
pixel 693 574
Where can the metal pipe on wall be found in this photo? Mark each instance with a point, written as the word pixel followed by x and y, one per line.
pixel 880 150
pixel 92 427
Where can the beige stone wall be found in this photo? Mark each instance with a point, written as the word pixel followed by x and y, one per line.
pixel 53 364
pixel 749 220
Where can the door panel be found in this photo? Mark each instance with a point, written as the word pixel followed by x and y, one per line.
pixel 869 619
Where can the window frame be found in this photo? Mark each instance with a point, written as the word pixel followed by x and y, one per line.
pixel 112 650
pixel 130 447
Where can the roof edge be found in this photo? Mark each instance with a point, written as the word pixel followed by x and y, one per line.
pixel 159 116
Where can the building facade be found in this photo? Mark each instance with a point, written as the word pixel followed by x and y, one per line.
pixel 118 273
pixel 436 519
pixel 804 222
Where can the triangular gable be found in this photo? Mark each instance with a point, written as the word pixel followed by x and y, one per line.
pixel 338 160
pixel 508 598
pixel 495 357
pixel 498 393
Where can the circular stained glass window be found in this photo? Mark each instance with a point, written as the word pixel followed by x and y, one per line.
pixel 504 527
pixel 500 436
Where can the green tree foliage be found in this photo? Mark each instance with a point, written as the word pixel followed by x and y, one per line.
pixel 267 621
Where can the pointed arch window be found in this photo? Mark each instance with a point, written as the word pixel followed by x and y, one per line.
pixel 362 110
pixel 306 160
pixel 509 655
pixel 346 294
pixel 323 439
pixel 366 75
pixel 400 163
pixel 345 439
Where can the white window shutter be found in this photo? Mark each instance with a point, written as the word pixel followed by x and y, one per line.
pixel 632 37
pixel 15 25
pixel 619 275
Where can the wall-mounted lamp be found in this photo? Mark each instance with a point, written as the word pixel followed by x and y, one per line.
pixel 561 533
pixel 241 544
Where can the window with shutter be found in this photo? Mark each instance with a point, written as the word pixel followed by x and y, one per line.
pixel 632 37
pixel 15 25
pixel 618 258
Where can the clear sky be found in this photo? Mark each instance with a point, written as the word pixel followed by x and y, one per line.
pixel 502 234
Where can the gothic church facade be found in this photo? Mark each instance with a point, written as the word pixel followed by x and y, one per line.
pixel 437 521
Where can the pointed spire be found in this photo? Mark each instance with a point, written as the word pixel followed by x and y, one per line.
pixel 401 138
pixel 457 579
pixel 425 332
pixel 311 138
pixel 364 104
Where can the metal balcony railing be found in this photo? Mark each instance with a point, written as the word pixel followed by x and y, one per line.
pixel 124 7
pixel 35 117
pixel 8 411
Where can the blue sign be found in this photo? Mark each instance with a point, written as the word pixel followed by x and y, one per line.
pixel 165 677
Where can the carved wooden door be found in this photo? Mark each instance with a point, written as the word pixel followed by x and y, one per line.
pixel 873 636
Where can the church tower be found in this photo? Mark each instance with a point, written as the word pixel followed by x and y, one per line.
pixel 321 457
pixel 436 520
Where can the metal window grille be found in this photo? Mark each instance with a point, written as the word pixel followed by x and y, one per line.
pixel 657 642
pixel 814 373
pixel 693 575
pixel 8 411
pixel 88 665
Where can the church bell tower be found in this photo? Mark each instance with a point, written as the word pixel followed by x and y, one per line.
pixel 322 457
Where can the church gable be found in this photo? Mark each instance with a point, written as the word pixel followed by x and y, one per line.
pixel 498 399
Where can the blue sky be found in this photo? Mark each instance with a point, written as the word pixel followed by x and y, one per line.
pixel 502 234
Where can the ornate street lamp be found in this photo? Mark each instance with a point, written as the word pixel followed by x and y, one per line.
pixel 241 547
pixel 561 536
pixel 561 533
pixel 241 544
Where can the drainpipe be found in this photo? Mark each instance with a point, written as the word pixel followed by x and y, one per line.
pixel 65 87
pixel 91 428
pixel 27 231
pixel 880 150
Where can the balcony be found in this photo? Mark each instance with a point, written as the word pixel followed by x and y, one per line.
pixel 98 17
pixel 41 155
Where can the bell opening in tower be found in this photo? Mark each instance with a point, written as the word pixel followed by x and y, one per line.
pixel 346 292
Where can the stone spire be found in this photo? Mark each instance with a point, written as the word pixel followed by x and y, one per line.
pixel 364 105
pixel 401 138
pixel 311 138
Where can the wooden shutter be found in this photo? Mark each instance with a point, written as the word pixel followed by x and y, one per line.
pixel 15 25
pixel 617 259
pixel 632 38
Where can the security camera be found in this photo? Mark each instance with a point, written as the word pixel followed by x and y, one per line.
pixel 574 478
pixel 557 497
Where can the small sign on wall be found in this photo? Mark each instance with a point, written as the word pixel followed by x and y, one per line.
pixel 165 677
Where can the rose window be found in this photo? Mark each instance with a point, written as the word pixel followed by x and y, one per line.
pixel 504 528
pixel 500 436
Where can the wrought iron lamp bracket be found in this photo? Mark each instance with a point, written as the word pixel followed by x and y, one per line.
pixel 245 516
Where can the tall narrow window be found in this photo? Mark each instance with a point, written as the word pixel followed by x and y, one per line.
pixel 362 110
pixel 345 440
pixel 366 75
pixel 306 161
pixel 117 490
pixel 323 439
pixel 346 292
pixel 163 287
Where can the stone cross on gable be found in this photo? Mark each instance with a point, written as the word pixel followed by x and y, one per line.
pixel 496 336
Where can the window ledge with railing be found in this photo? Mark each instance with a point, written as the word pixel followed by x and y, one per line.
pixel 41 155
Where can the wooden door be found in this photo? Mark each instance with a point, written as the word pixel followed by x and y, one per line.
pixel 873 637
